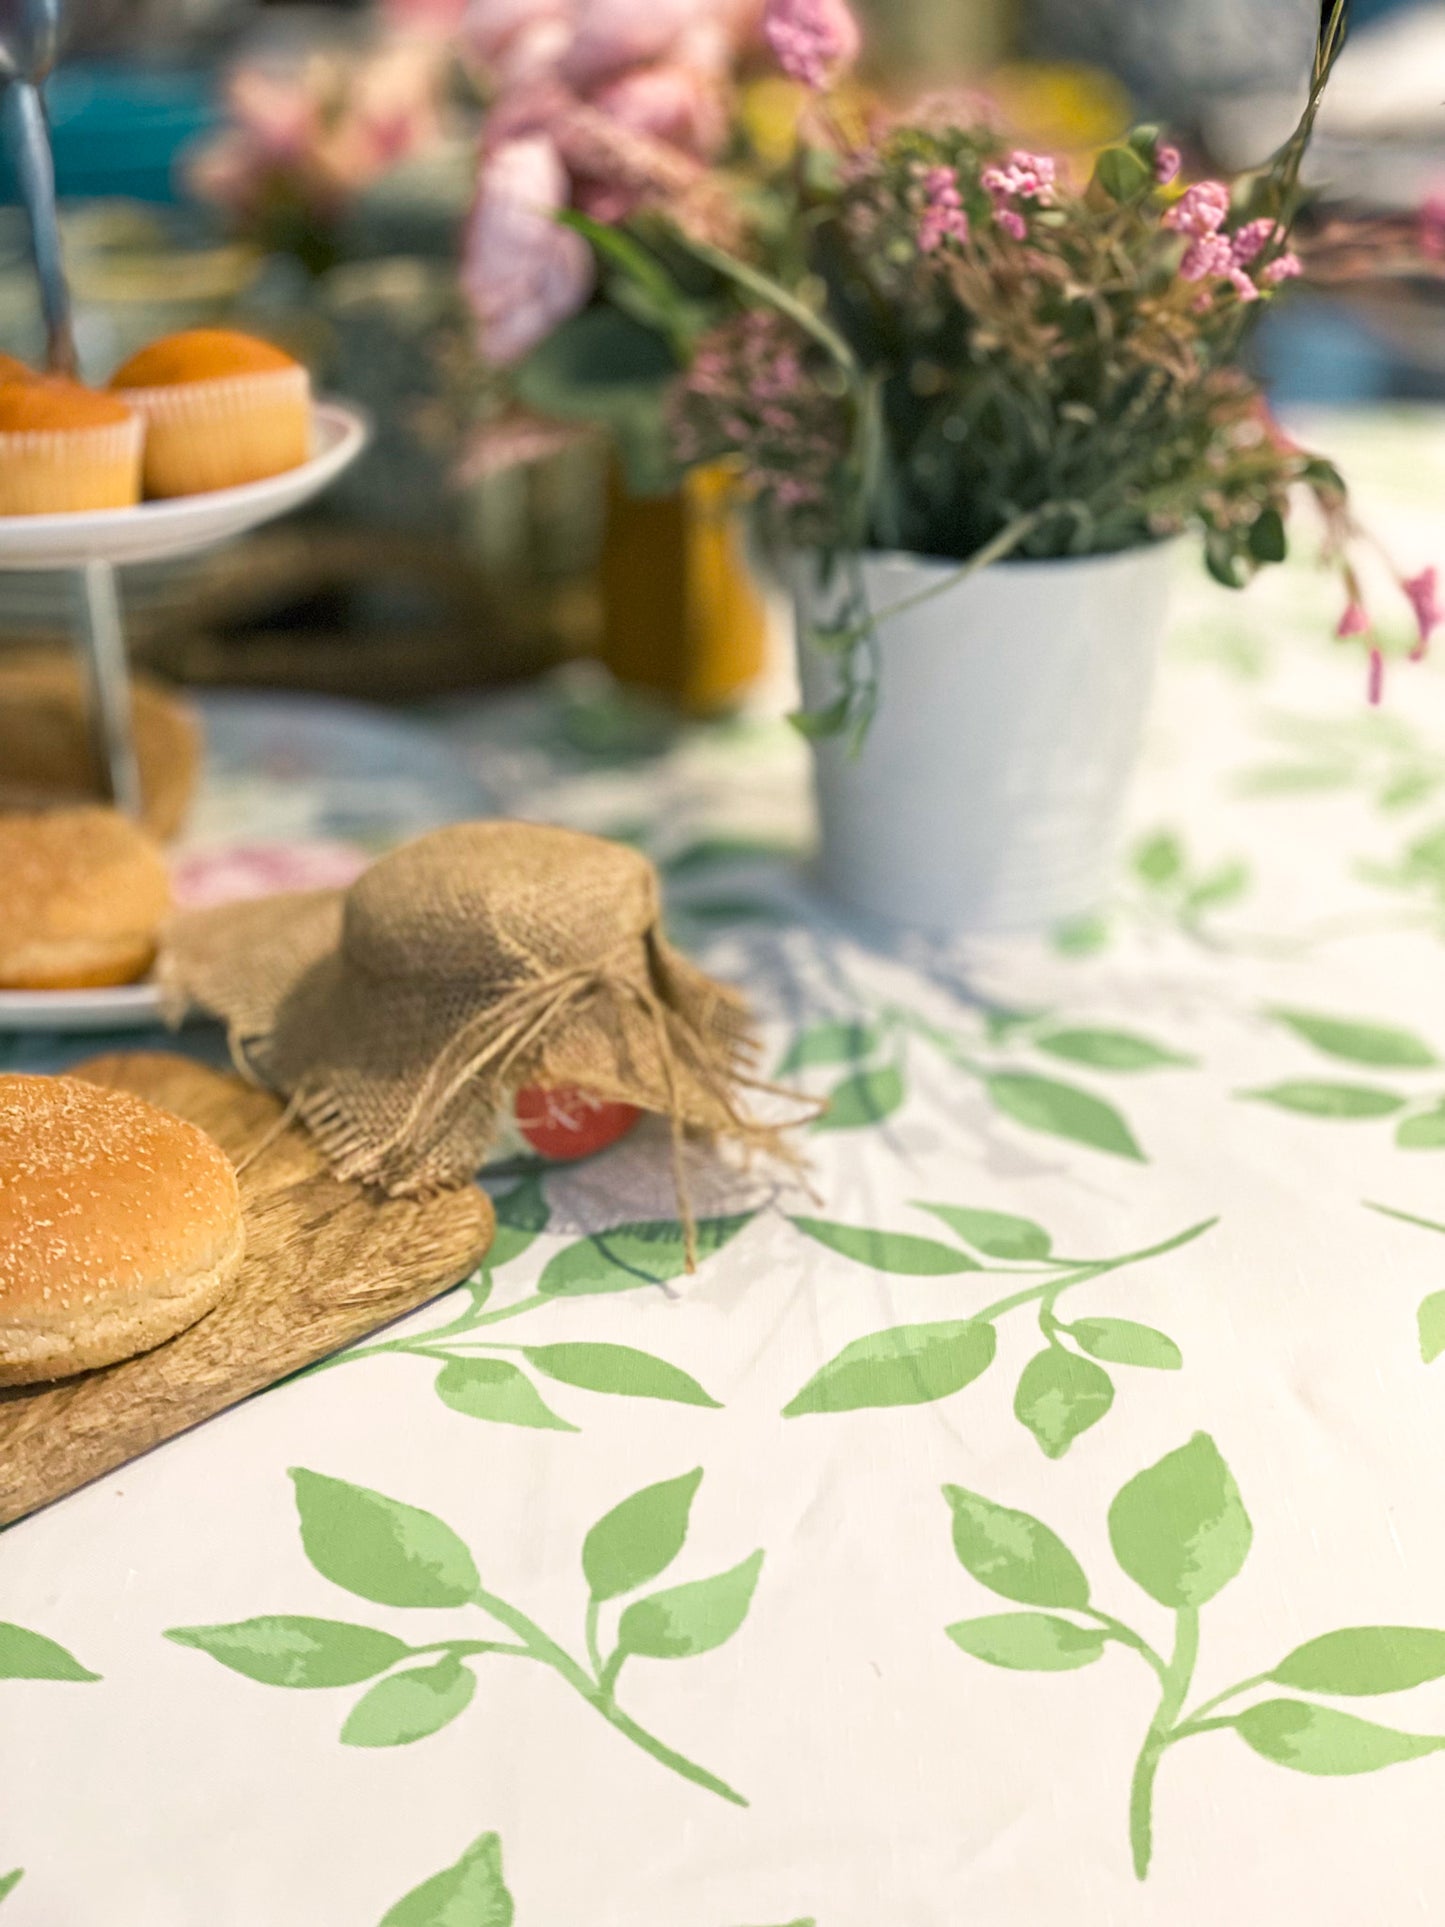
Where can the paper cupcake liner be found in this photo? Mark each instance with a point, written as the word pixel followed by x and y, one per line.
pixel 179 402
pixel 54 470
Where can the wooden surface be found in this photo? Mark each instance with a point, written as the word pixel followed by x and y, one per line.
pixel 325 1264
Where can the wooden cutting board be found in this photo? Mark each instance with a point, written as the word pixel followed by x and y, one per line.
pixel 325 1264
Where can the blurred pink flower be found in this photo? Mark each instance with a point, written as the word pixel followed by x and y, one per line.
pixel 1432 225
pixel 942 216
pixel 1375 684
pixel 240 871
pixel 1200 210
pixel 670 102
pixel 1355 621
pixel 613 35
pixel 1283 268
pixel 518 40
pixel 1423 591
pixel 1166 164
pixel 522 271
pixel 812 40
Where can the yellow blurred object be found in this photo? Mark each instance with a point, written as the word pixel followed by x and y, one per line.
pixel 681 612
pixel 1061 108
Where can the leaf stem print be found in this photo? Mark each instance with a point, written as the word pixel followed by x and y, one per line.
pixel 873 1055
pixel 398 1555
pixel 1421 1115
pixel 1064 1388
pixel 484 1377
pixel 469 1893
pixel 1430 1313
pixel 1179 1530
pixel 10 1881
pixel 1165 890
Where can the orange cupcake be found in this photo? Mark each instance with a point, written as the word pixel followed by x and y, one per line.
pixel 64 447
pixel 219 408
pixel 12 368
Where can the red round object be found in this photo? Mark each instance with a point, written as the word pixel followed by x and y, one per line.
pixel 564 1123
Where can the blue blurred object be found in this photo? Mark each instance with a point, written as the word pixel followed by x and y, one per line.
pixel 1315 351
pixel 118 130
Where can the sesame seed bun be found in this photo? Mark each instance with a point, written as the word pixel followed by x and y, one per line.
pixel 120 1225
pixel 84 893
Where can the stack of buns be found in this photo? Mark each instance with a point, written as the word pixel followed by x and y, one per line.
pixel 120 1225
pixel 201 410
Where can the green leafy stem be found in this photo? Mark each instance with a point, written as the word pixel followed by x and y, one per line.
pixel 1063 1389
pixel 1179 1530
pixel 1430 1314
pixel 399 1555
pixel 1420 1116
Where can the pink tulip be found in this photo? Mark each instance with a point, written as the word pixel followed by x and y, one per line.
pixel 812 40
pixel 672 103
pixel 522 271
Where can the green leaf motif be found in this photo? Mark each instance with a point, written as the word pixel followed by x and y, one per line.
pixel 379 1548
pixel 1060 1396
pixel 1014 1554
pixel 1431 1317
pixel 1119 1341
pixel 1029 1642
pixel 639 1538
pixel 1318 1739
pixel 618 1369
pixel 1225 885
pixel 1159 859
pixel 1109 1050
pixel 1121 173
pixel 27 1655
pixel 691 1619
pixel 895 1251
pixel 1383 1045
pixel 410 1706
pixel 10 1881
pixel 285 1649
pixel 867 1097
pixel 522 1213
pixel 632 1255
pixel 997 1234
pixel 1365 1659
pixel 470 1893
pixel 1061 1110
pixel 905 1365
pixel 1180 1529
pixel 495 1389
pixel 833 1043
pixel 1425 1131
pixel 1328 1100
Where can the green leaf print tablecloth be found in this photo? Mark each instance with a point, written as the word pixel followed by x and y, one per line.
pixel 1039 1516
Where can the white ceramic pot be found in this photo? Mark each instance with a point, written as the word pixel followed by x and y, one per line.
pixel 987 794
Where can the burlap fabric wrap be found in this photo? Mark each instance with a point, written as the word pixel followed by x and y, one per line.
pixel 399 1016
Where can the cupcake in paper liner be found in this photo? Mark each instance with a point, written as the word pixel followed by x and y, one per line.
pixel 220 409
pixel 64 448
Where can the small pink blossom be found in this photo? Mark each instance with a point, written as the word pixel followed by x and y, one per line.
pixel 1011 221
pixel 1200 210
pixel 1206 257
pixel 1029 177
pixel 1355 621
pixel 1423 593
pixel 1251 240
pixel 812 40
pixel 1375 685
pixel 943 217
pixel 1283 268
pixel 1242 285
pixel 1166 164
pixel 670 102
pixel 522 271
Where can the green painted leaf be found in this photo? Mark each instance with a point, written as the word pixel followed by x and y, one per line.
pixel 495 1389
pixel 1328 1100
pixel 1159 859
pixel 867 1097
pixel 1318 1739
pixel 834 1043
pixel 1267 539
pixel 287 1649
pixel 411 1705
pixel 633 1255
pixel 1059 1396
pixel 1288 779
pixel 997 1234
pixel 379 1548
pixel 1014 1554
pixel 639 1538
pixel 1225 885
pixel 617 1369
pixel 1431 1316
pixel 1062 1110
pixel 1180 1529
pixel 1121 173
pixel 687 1620
pixel 27 1655
pixel 895 1251
pixel 1029 1642
pixel 1119 1341
pixel 1109 1050
pixel 470 1893
pixel 10 1881
pixel 905 1365
pixel 1083 937
pixel 1425 1131
pixel 522 1213
pixel 1365 1659
pixel 1360 1043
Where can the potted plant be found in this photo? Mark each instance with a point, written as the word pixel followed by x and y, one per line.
pixel 977 402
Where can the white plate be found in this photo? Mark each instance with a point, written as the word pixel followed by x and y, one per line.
pixel 123 1007
pixel 152 531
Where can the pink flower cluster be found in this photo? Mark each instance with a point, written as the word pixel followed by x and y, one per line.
pixel 813 41
pixel 1200 213
pixel 597 103
pixel 941 217
pixel 1024 177
pixel 1422 592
